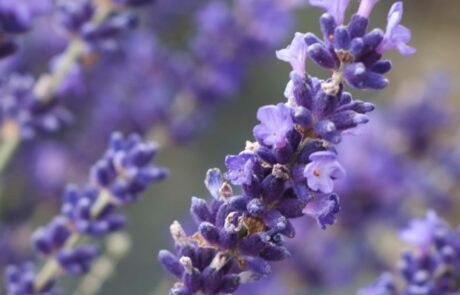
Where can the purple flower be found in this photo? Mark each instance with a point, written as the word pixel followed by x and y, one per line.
pixel 421 232
pixel 322 171
pixel 295 53
pixel 125 168
pixel 396 36
pixel 214 182
pixel 240 168
pixel 276 122
pixel 335 7
pixel 324 209
pixel 365 7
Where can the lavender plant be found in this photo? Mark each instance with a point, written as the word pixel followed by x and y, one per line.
pixel 90 211
pixel 431 268
pixel 290 170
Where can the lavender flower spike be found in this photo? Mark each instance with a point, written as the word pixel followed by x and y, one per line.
pixel 322 171
pixel 288 173
pixel 336 8
pixel 396 36
pixel 116 180
pixel 295 54
pixel 432 268
pixel 276 122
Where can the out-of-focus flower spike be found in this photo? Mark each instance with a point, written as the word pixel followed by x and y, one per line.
pixel 117 179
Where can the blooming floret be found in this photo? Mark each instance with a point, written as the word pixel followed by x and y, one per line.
pixel 295 54
pixel 322 171
pixel 276 122
pixel 240 168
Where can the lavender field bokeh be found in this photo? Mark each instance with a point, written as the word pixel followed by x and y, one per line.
pixel 175 78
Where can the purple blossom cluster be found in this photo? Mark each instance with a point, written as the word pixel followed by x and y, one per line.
pixel 431 268
pixel 385 179
pixel 288 172
pixel 116 180
pixel 350 50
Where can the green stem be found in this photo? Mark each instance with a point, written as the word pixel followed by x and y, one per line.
pixel 7 149
pixel 102 201
pixel 70 56
pixel 51 268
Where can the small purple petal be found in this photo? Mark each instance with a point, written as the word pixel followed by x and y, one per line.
pixel 322 171
pixel 396 36
pixel 240 168
pixel 214 182
pixel 324 209
pixel 295 54
pixel 276 122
